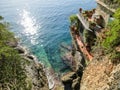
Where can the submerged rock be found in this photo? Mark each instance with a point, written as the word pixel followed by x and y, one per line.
pixel 68 59
pixel 66 47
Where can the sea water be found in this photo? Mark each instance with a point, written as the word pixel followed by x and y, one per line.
pixel 42 25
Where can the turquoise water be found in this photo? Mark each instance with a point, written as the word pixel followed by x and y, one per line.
pixel 42 25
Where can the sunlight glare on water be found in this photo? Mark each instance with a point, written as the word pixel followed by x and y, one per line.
pixel 29 24
pixel 43 25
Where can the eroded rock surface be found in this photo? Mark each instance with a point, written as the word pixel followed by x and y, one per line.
pixel 101 75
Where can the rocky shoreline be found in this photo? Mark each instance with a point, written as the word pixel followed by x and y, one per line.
pixel 41 78
pixel 34 70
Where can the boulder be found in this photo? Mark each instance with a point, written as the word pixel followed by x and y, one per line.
pixel 20 50
pixel 30 57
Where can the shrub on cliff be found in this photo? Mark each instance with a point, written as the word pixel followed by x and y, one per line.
pixel 113 38
pixel 74 20
pixel 5 34
pixel 12 72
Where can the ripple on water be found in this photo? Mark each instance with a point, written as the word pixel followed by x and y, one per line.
pixel 43 25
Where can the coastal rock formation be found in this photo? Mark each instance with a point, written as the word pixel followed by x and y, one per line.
pixel 36 76
pixel 39 77
pixel 19 70
pixel 71 80
pixel 20 50
pixel 75 60
pixel 101 68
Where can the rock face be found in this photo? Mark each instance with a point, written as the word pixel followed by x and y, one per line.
pixel 36 77
pixel 68 80
pixel 79 60
pixel 20 50
pixel 114 80
pixel 72 80
pixel 101 75
pixel 68 60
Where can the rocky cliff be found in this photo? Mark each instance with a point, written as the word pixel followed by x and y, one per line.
pixel 103 72
pixel 101 75
pixel 36 77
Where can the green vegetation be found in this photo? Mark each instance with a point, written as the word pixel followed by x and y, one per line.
pixel 115 57
pixel 5 35
pixel 12 72
pixel 113 36
pixel 74 20
pixel 1 17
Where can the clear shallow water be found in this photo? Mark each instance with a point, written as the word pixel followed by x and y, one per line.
pixel 43 25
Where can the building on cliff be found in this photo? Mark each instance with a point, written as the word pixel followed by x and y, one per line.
pixel 105 10
pixel 86 25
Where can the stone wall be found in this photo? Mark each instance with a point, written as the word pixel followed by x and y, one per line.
pixel 105 13
pixel 111 3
